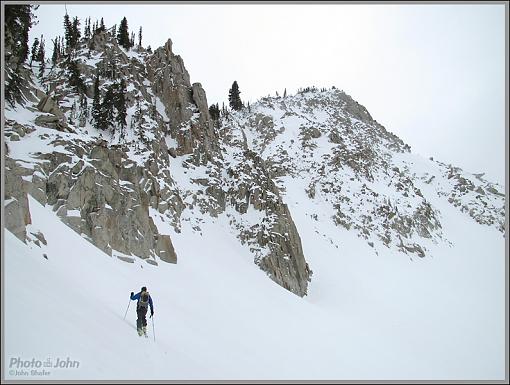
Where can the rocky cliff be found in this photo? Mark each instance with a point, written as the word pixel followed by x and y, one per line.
pixel 113 186
pixel 171 162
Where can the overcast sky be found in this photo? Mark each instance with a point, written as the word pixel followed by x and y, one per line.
pixel 432 74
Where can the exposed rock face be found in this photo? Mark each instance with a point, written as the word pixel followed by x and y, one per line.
pixel 169 165
pixel 102 195
pixel 100 191
pixel 286 263
pixel 47 104
pixel 275 241
pixel 165 249
pixel 17 213
pixel 185 104
pixel 51 121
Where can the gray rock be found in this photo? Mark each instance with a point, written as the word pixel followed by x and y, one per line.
pixel 285 263
pixel 334 137
pixel 51 121
pixel 37 189
pixel 47 104
pixel 172 153
pixel 165 249
pixel 185 105
pixel 40 238
pixel 16 208
pixel 126 259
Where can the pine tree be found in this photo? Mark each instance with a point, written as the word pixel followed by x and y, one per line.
pixel 96 105
pixel 84 111
pixel 120 105
pixel 132 40
pixel 75 77
pixel 123 34
pixel 86 32
pixel 113 69
pixel 107 109
pixel 41 58
pixel 285 93
pixel 234 97
pixel 140 38
pixel 62 47
pixel 102 27
pixel 68 31
pixel 214 112
pixel 18 19
pixel 75 33
pixel 55 55
pixel 41 52
pixel 12 88
pixel 139 120
pixel 35 48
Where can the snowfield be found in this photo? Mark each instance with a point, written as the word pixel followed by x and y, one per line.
pixel 218 317
pixel 407 254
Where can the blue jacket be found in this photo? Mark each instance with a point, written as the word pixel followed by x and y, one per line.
pixel 137 297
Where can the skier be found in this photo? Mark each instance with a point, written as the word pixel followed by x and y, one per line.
pixel 144 300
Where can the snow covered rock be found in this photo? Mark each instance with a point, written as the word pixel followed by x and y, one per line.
pixel 316 153
pixel 328 146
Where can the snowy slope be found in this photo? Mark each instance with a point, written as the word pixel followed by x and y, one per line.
pixel 408 254
pixel 216 317
pixel 369 180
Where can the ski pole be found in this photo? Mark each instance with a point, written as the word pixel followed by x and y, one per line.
pixel 129 303
pixel 153 332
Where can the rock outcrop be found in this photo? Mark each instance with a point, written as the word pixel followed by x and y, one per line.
pixel 100 191
pixel 16 210
pixel 275 241
pixel 129 187
pixel 363 174
pixel 185 104
pixel 100 194
pixel 47 104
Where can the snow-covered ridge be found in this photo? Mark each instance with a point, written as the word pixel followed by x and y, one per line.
pixel 329 146
pixel 170 158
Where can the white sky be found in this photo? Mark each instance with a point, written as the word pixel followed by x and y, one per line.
pixel 432 74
